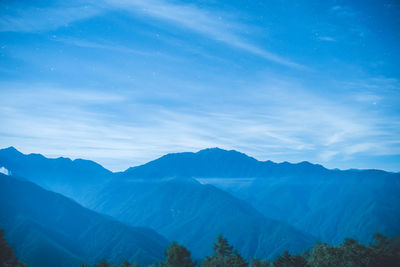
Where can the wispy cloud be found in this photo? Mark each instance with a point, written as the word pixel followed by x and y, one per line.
pixel 211 24
pixel 106 45
pixel 344 11
pixel 103 92
pixel 326 38
pixel 284 122
pixel 205 22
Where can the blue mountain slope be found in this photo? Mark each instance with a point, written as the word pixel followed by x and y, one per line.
pixel 182 209
pixel 48 229
pixel 332 206
pixel 328 204
pixel 73 178
pixel 218 163
pixel 215 161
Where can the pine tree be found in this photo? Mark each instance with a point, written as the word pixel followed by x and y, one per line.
pixel 287 260
pixel 222 248
pixel 236 260
pixel 103 263
pixel 224 255
pixel 178 256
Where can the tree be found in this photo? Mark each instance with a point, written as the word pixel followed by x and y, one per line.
pixel 385 252
pixel 178 256
pixel 382 252
pixel 224 255
pixel 299 261
pixel 287 260
pixel 350 253
pixel 284 260
pixel 355 254
pixel 103 263
pixel 323 255
pixel 259 263
pixel 127 264
pixel 222 248
pixel 236 260
pixel 7 256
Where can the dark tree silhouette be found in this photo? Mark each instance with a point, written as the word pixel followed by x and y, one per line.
pixel 7 256
pixel 224 255
pixel 178 256
pixel 287 260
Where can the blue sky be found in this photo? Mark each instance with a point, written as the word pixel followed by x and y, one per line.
pixel 122 82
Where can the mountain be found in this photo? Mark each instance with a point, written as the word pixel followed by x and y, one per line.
pixel 212 161
pixel 333 205
pixel 48 229
pixel 328 204
pixel 182 209
pixel 192 197
pixel 218 163
pixel 150 203
pixel 73 178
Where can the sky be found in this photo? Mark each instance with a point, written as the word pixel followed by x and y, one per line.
pixel 122 82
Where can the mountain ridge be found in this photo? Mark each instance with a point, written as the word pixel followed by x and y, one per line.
pixel 37 221
pixel 72 178
pixel 182 209
pixel 202 151
pixel 308 197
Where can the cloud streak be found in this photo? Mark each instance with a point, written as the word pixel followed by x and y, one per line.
pixel 326 38
pixel 204 22
pixel 284 122
pixel 207 23
pixel 145 78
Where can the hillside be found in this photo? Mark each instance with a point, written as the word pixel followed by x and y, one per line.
pixel 48 229
pixel 73 178
pixel 194 214
pixel 192 197
pixel 315 200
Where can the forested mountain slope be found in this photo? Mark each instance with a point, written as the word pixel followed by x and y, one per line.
pixel 48 229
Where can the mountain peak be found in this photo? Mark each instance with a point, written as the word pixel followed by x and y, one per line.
pixel 217 150
pixel 11 149
pixel 212 149
pixel 220 151
pixel 10 152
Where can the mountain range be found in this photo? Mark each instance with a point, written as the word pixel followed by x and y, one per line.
pixel 194 214
pixel 315 200
pixel 73 178
pixel 262 207
pixel 48 229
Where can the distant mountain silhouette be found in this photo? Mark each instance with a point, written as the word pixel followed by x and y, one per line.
pixel 73 178
pixel 48 229
pixel 216 162
pixel 262 207
pixel 328 204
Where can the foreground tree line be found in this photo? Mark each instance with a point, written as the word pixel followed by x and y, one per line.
pixel 382 252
